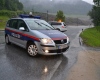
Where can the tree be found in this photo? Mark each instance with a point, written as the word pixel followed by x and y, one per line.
pixel 20 6
pixel 95 13
pixel 60 16
pixel 12 5
pixel 96 2
pixel 2 2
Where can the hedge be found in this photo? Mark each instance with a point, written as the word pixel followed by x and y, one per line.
pixel 10 13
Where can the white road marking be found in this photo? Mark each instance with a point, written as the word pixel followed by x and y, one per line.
pixel 49 75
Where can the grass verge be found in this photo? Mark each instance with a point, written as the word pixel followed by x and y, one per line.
pixel 91 37
pixel 3 20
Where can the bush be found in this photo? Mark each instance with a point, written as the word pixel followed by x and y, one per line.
pixel 10 13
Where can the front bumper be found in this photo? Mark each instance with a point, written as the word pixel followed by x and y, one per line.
pixel 53 50
pixel 63 29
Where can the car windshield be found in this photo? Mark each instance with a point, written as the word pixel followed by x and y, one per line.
pixel 38 24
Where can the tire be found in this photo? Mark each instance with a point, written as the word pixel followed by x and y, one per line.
pixel 32 50
pixel 58 29
pixel 7 40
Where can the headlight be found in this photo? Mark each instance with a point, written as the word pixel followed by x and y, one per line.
pixel 46 41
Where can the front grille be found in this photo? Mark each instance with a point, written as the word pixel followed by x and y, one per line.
pixel 60 41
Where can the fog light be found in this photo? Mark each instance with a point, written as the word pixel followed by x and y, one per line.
pixel 46 51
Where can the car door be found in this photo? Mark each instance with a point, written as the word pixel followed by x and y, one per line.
pixel 12 30
pixel 21 34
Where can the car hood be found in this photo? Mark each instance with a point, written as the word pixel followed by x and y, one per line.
pixel 54 34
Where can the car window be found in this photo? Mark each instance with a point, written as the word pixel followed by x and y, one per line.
pixel 64 24
pixel 21 23
pixel 55 23
pixel 12 23
pixel 8 23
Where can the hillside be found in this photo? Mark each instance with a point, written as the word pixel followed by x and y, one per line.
pixel 72 7
pixel 68 21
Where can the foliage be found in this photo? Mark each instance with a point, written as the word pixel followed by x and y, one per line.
pixel 60 16
pixel 95 14
pixel 96 2
pixel 91 37
pixel 3 20
pixel 10 13
pixel 12 5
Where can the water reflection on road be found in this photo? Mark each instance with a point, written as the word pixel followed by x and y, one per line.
pixel 17 63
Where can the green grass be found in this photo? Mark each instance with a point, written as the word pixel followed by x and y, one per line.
pixel 91 37
pixel 3 20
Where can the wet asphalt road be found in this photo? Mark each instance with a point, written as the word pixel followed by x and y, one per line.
pixel 15 64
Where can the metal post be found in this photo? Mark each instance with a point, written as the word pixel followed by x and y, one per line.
pixel 47 15
pixel 77 21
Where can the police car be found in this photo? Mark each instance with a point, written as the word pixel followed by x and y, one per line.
pixel 36 36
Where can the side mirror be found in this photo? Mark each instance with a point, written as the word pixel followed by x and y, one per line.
pixel 22 28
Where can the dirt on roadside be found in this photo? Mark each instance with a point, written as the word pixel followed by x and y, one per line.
pixel 87 66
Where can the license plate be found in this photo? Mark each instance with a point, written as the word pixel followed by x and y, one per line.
pixel 61 46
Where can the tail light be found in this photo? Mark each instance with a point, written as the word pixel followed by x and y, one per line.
pixel 63 26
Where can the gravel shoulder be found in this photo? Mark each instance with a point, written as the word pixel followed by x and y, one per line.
pixel 87 66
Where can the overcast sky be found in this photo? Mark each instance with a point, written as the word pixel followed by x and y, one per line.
pixel 89 1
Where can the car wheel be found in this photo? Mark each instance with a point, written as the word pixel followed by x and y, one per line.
pixel 7 40
pixel 32 49
pixel 58 29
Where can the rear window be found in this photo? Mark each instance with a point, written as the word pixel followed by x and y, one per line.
pixel 55 23
pixel 64 24
pixel 12 23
